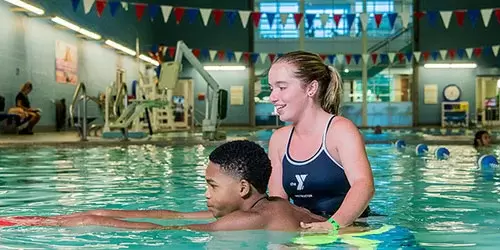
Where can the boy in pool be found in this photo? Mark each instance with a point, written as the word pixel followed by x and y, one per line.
pixel 237 176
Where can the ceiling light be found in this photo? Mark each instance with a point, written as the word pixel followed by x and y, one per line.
pixel 149 60
pixel 26 6
pixel 450 65
pixel 120 47
pixel 226 68
pixel 76 28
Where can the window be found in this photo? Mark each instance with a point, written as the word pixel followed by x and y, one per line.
pixel 330 29
pixel 278 30
pixel 377 7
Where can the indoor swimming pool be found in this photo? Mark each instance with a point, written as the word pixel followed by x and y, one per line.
pixel 428 203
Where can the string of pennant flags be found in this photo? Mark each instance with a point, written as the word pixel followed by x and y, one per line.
pixel 180 13
pixel 383 58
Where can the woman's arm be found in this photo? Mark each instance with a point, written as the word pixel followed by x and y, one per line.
pixel 276 143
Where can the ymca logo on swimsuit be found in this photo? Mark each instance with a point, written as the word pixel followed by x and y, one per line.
pixel 300 179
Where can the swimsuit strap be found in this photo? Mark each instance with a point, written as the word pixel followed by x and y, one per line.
pixel 255 203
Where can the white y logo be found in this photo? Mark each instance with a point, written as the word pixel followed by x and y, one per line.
pixel 300 178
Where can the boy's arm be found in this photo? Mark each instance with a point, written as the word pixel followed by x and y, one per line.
pixel 157 214
pixel 231 222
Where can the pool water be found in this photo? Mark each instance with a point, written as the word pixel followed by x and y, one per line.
pixel 444 204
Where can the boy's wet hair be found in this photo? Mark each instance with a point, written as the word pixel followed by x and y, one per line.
pixel 244 160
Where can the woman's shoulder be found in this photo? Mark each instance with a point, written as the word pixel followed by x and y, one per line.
pixel 280 136
pixel 342 126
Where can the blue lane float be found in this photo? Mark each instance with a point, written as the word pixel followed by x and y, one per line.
pixel 488 165
pixel 441 153
pixel 421 149
pixel 400 145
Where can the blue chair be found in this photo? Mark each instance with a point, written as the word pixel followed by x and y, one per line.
pixel 13 123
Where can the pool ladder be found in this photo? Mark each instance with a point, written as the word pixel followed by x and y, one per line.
pixel 77 96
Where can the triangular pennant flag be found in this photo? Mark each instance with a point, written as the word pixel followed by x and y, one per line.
pixel 125 6
pixel 153 10
pixel 487 49
pixel 231 16
pixel 469 52
pixel 392 18
pixel 446 16
pixel 405 18
pixel 270 18
pixel 365 58
pixel 401 57
pixel 217 16
pixel 348 58
pixel 331 58
pixel 244 15
pixel 408 55
pixel 139 10
pixel 87 5
pixel 113 7
pixel 451 54
pixel 237 56
pixel 486 14
pixel 495 49
pixel 374 58
pixel 426 55
pixel 271 57
pixel 310 20
pixel 340 58
pixel 350 20
pixel 336 18
pixel 213 53
pixel 378 19
pixel 384 58
pixel 473 15
pixel 298 18
pixel 434 55
pixel 171 52
pixel 263 57
pixel 416 55
pixel 191 14
pixel 220 54
pixel 460 53
pixel 256 18
pixel 205 15
pixel 75 4
pixel 230 54
pixel 363 18
pixel 254 57
pixel 432 17
pixel 284 18
pixel 324 19
pixel 205 53
pixel 443 53
pixel 196 52
pixel 166 10
pixel 179 13
pixel 460 15
pixel 497 14
pixel 323 57
pixel 391 56
pixel 99 6
pixel 419 15
pixel 477 51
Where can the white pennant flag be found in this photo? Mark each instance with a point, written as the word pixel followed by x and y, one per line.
pixel 339 58
pixel 244 15
pixel 486 14
pixel 125 5
pixel 166 10
pixel 446 16
pixel 365 58
pixel 416 55
pixel 87 5
pixel 469 52
pixel 324 19
pixel 237 55
pixel 391 56
pixel 443 53
pixel 263 57
pixel 284 18
pixel 405 17
pixel 495 49
pixel 212 54
pixel 205 15
pixel 363 17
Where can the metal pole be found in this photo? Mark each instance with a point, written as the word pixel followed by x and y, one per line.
pixel 302 31
pixel 84 111
pixel 364 73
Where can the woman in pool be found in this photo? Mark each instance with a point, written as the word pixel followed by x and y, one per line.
pixel 482 139
pixel 320 161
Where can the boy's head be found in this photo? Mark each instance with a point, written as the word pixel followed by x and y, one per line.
pixel 482 138
pixel 236 171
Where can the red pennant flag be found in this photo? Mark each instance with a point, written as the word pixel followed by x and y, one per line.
pixel 477 51
pixel 426 55
pixel 451 53
pixel 246 55
pixel 497 14
pixel 139 10
pixel 348 58
pixel 297 17
pixel 256 18
pixel 196 52
pixel 401 57
pixel 171 52
pixel 460 14
pixel 179 13
pixel 419 15
pixel 323 56
pixel 99 6
pixel 220 53
pixel 378 19
pixel 271 57
pixel 217 16
pixel 374 58
pixel 336 18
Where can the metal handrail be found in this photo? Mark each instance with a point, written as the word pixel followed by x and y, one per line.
pixel 386 41
pixel 119 98
pixel 80 88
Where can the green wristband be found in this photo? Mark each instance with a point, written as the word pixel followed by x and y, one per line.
pixel 335 225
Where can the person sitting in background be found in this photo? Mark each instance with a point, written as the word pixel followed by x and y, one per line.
pixel 24 110
pixel 482 139
pixel 377 130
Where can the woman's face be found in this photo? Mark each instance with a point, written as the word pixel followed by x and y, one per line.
pixel 485 139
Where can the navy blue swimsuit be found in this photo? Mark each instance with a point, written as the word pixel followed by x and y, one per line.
pixel 319 183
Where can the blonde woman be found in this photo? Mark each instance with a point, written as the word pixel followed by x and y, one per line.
pixel 24 110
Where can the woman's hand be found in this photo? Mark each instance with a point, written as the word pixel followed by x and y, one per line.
pixel 317 226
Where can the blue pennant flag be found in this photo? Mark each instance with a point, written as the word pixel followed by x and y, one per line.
pixel 350 20
pixel 270 18
pixel 409 56
pixel 205 53
pixel 384 58
pixel 487 49
pixel 254 57
pixel 279 55
pixel 392 18
pixel 153 10
pixel 460 53
pixel 432 15
pixel 229 55
pixel 473 15
pixel 75 4
pixel 356 58
pixel 434 55
pixel 191 14
pixel 310 20
pixel 113 7
pixel 331 58
pixel 231 16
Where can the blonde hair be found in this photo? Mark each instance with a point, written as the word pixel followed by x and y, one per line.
pixel 310 67
pixel 26 86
